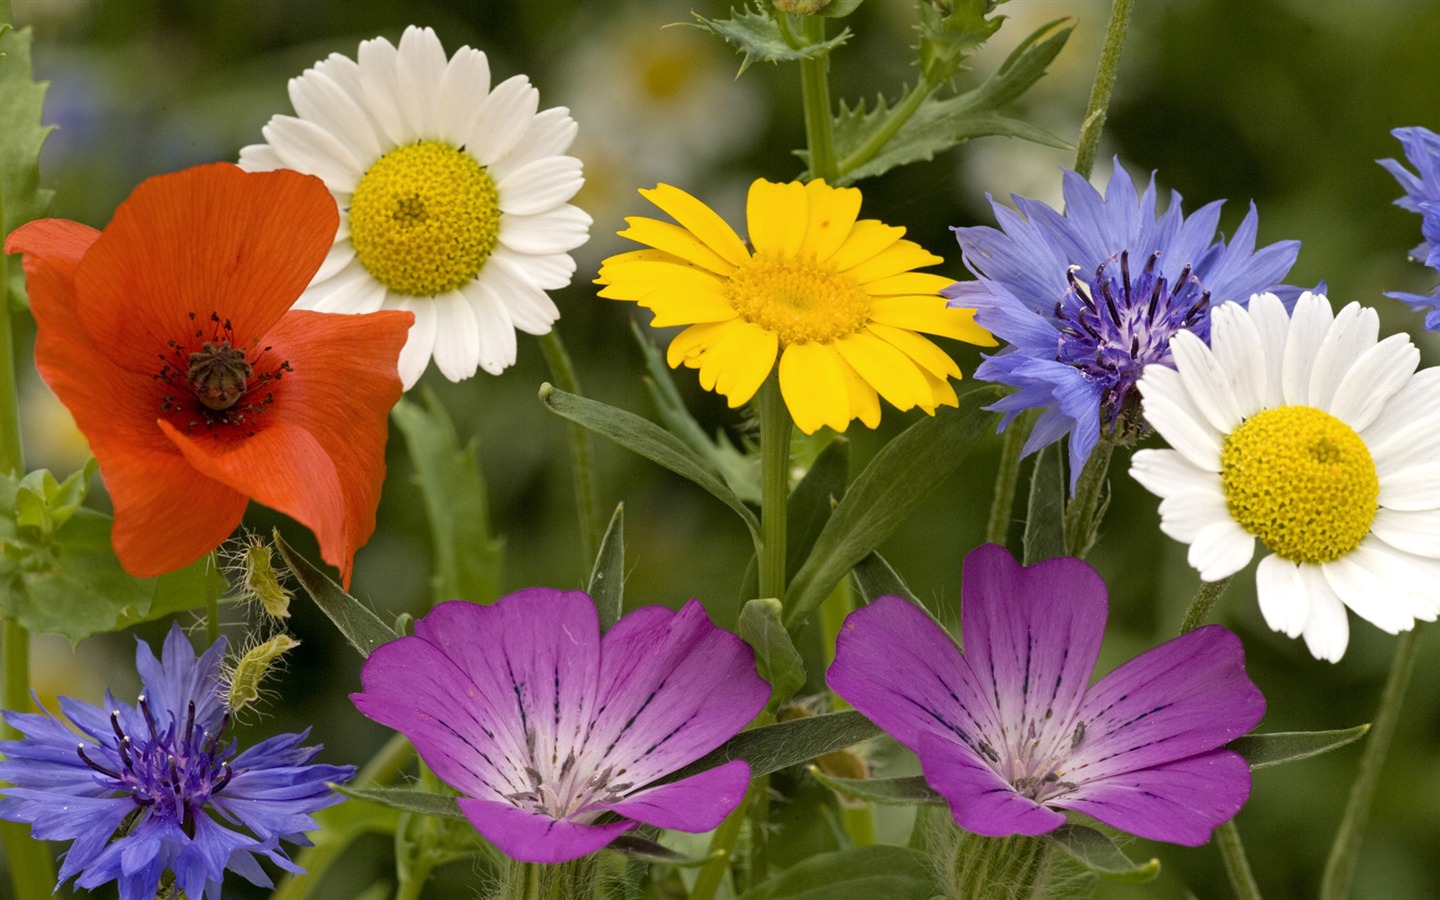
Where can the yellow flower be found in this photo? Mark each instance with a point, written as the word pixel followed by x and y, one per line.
pixel 835 299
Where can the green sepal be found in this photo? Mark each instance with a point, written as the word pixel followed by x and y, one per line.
pixel 362 628
pixel 814 499
pixel 422 803
pixel 22 100
pixel 648 440
pixel 1045 513
pixel 904 791
pixel 773 747
pixel 775 654
pixel 58 571
pixel 468 558
pixel 900 476
pixel 1096 852
pixel 948 36
pixel 875 577
pixel 638 847
pixel 758 35
pixel 862 873
pixel 607 578
pixel 1263 750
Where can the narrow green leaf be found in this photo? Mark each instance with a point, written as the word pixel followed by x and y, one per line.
pixel 362 628
pixel 876 578
pixel 607 579
pixel 637 847
pixel 1025 65
pixel 1045 514
pixel 900 476
pixel 774 747
pixel 467 556
pixel 20 109
pixel 421 803
pixel 648 440
pixel 814 499
pixel 908 790
pixel 1262 750
pixel 1099 854
pixel 862 873
pixel 775 654
pixel 756 34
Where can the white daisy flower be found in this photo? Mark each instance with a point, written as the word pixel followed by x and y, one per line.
pixel 1312 435
pixel 453 197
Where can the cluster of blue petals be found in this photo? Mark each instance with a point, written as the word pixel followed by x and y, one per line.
pixel 155 787
pixel 1422 196
pixel 1086 299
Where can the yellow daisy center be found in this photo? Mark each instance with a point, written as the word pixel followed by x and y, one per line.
pixel 1302 481
pixel 424 218
pixel 798 300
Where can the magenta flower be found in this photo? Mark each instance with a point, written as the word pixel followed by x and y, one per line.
pixel 1008 731
pixel 556 736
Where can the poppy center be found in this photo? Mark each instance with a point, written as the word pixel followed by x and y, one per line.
pixel 1302 481
pixel 218 374
pixel 424 218
pixel 797 300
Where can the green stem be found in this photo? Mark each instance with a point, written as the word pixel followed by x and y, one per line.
pixel 722 850
pixel 1081 516
pixel 1340 867
pixel 582 451
pixel 775 429
pixel 815 93
pixel 1237 866
pixel 1009 868
pixel 212 600
pixel 882 135
pixel 1007 479
pixel 1204 601
pixel 1094 122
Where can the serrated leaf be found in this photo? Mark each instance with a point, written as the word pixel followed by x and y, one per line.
pixel 908 790
pixel 361 627
pixel 775 654
pixel 773 747
pixel 862 873
pixel 1045 513
pixel 421 803
pixel 813 500
pixel 22 101
pixel 468 558
pixel 607 578
pixel 1263 750
pixel 1096 852
pixel 876 578
pixel 900 476
pixel 755 33
pixel 648 440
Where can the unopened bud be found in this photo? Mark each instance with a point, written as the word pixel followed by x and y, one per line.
pixel 801 7
pixel 252 669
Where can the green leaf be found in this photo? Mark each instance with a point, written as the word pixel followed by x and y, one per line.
pixel 814 499
pixel 864 873
pixel 22 100
pixel 774 747
pixel 421 803
pixel 758 35
pixel 648 440
pixel 1045 515
pixel 607 579
pixel 875 578
pixel 900 476
pixel 467 557
pixel 775 654
pixel 361 627
pixel 910 789
pixel 1262 750
pixel 1096 852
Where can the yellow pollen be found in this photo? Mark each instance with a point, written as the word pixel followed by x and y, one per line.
pixel 798 300
pixel 424 218
pixel 1302 481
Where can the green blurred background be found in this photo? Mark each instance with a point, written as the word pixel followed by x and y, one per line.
pixel 1283 102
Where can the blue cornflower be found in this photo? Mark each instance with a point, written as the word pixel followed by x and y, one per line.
pixel 1087 299
pixel 1422 195
pixel 137 788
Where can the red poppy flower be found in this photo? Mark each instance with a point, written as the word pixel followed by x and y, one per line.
pixel 171 339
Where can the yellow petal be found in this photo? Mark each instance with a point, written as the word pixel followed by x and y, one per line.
pixel 932 316
pixel 738 361
pixel 813 385
pixel 675 240
pixel 776 215
pixel 887 370
pixel 832 215
pixel 631 280
pixel 942 393
pixel 867 239
pixel 645 255
pixel 690 345
pixel 675 306
pixel 864 401
pixel 701 221
pixel 930 357
pixel 909 283
pixel 902 256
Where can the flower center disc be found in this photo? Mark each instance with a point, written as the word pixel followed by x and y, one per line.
pixel 424 218
pixel 1302 481
pixel 798 301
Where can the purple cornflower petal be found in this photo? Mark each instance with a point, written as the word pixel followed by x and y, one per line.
pixel 552 731
pixel 1087 299
pixel 1422 195
pixel 137 789
pixel 1008 731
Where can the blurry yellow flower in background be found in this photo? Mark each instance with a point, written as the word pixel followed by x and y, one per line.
pixel 834 298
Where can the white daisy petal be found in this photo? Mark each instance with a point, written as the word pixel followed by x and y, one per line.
pixel 1220 550
pixel 306 147
pixel 1412 403
pixel 497 331
pixel 463 88
pixel 260 158
pixel 1183 515
pixel 1205 381
pixel 502 120
pixel 557 230
pixel 1272 324
pixel 334 294
pixel 341 254
pixel 1414 444
pixel 1165 472
pixel 420 345
pixel 1327 630
pixel 1373 379
pixel 540 185
pixel 1186 430
pixel 1308 328
pixel 1410 579
pixel 530 309
pixel 1239 357
pixel 457 336
pixel 420 65
pixel 1362 589
pixel 1412 488
pixel 1415 531
pixel 1281 592
pixel 321 99
pixel 1355 330
pixel 381 87
pixel 549 272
